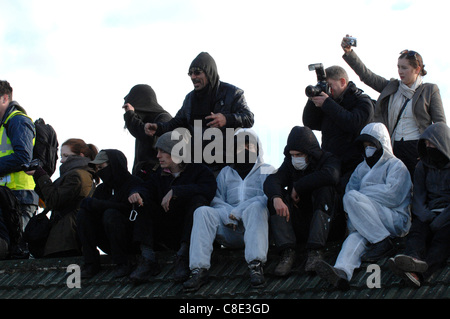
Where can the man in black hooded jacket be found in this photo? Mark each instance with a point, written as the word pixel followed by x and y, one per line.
pixel 215 103
pixel 305 212
pixel 103 219
pixel 141 106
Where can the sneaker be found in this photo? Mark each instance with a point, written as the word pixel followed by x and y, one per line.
pixel 257 279
pixel 410 264
pixel 377 251
pixel 181 272
pixel 145 269
pixel 121 270
pixel 335 276
pixel 313 257
pixel 413 278
pixel 408 276
pixel 198 277
pixel 286 262
pixel 90 270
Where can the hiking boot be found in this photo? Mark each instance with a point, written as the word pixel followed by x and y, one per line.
pixel 286 262
pixel 410 264
pixel 313 257
pixel 335 276
pixel 198 277
pixel 145 269
pixel 89 270
pixel 256 274
pixel 377 251
pixel 181 272
pixel 121 270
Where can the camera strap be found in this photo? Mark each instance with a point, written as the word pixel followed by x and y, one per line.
pixel 400 114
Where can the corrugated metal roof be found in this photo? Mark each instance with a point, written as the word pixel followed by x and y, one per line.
pixel 47 279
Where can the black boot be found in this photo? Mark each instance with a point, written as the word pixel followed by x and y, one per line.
pixel 286 262
pixel 335 276
pixel 257 279
pixel 198 277
pixel 379 250
pixel 145 269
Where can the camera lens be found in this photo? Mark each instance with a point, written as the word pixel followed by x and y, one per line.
pixel 312 91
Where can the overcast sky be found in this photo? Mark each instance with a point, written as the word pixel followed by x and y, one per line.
pixel 72 62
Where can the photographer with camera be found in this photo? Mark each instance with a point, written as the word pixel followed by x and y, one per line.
pixel 340 110
pixel 406 106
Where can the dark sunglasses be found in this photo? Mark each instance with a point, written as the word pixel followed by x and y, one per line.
pixel 409 53
pixel 196 72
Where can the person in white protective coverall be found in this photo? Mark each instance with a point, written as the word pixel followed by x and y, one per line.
pixel 376 201
pixel 238 215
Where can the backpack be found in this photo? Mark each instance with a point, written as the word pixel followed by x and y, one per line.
pixel 46 146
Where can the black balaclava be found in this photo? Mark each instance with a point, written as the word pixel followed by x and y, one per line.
pixel 203 100
pixel 143 98
pixel 371 161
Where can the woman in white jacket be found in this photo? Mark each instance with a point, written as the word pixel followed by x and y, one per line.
pixel 376 201
pixel 238 215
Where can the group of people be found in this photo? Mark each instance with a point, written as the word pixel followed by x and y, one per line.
pixel 356 186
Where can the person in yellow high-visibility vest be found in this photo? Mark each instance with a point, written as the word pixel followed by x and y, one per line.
pixel 17 136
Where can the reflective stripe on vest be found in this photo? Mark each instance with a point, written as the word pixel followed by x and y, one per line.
pixel 17 180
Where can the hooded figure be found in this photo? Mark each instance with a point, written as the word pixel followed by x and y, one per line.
pixel 103 220
pixel 428 242
pixel 237 216
pixel 376 200
pixel 146 109
pixel 216 97
pixel 305 212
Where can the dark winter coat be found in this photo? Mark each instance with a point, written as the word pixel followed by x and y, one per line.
pixel 63 197
pixel 146 110
pixel 323 168
pixel 432 184
pixel 341 122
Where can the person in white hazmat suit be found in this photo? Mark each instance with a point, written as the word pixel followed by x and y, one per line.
pixel 376 200
pixel 238 214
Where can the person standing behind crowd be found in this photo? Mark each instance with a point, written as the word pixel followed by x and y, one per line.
pixel 103 220
pixel 302 199
pixel 428 241
pixel 63 197
pixel 215 103
pixel 17 134
pixel 340 117
pixel 376 201
pixel 406 106
pixel 141 106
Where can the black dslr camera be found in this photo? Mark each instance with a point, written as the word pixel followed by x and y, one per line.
pixel 322 85
pixel 33 165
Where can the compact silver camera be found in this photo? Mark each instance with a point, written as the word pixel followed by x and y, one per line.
pixel 351 41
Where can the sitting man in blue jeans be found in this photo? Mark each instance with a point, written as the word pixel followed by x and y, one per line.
pixel 238 216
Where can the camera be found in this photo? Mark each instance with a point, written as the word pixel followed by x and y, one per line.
pixel 33 165
pixel 351 41
pixel 322 85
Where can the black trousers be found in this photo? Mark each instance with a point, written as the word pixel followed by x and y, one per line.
pixel 311 220
pixel 407 152
pixel 110 230
pixel 161 230
pixel 431 247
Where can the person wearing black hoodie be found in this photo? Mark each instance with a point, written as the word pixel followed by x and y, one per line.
pixel 103 220
pixel 305 212
pixel 215 103
pixel 428 240
pixel 141 106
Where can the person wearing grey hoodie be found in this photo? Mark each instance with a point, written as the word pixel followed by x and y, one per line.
pixel 428 241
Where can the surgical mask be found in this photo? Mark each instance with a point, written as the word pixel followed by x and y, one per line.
pixel 299 163
pixel 370 150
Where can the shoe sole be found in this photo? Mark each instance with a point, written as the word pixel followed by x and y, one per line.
pixel 328 273
pixel 402 274
pixel 193 289
pixel 409 264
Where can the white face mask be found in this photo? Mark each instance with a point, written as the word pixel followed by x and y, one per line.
pixel 299 163
pixel 370 150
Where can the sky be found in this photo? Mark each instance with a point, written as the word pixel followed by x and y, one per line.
pixel 72 62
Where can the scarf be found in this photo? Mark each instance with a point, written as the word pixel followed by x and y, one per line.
pixel 397 100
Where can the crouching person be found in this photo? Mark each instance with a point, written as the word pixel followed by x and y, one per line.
pixel 428 241
pixel 103 220
pixel 302 196
pixel 238 216
pixel 376 200
pixel 169 198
